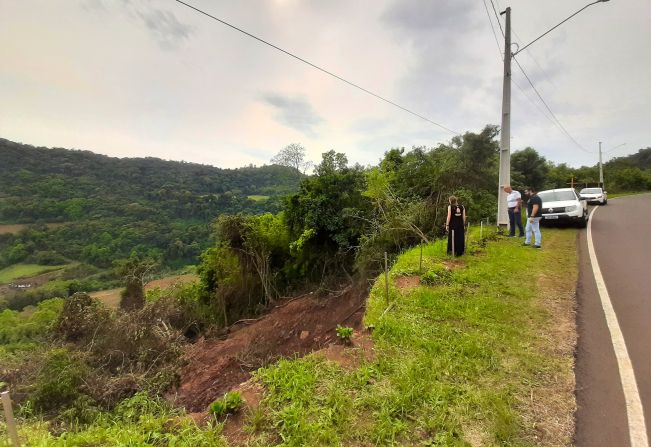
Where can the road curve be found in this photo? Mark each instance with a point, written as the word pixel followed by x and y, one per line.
pixel 621 236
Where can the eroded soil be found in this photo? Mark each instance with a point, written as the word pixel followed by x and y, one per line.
pixel 297 327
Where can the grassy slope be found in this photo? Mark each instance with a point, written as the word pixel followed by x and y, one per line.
pixel 473 362
pixel 25 270
pixel 485 359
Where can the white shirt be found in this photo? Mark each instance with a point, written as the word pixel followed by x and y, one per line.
pixel 512 198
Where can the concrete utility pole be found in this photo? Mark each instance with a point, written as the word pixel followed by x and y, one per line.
pixel 505 132
pixel 601 169
pixel 505 139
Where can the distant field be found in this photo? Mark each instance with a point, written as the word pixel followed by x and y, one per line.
pixel 25 270
pixel 258 198
pixel 111 297
pixel 15 228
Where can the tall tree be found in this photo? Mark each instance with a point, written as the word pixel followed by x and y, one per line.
pixel 292 156
pixel 528 168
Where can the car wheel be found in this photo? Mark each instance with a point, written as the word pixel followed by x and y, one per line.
pixel 584 220
pixel 605 202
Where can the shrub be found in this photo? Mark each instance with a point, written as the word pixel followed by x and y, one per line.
pixel 59 382
pixel 229 404
pixel 81 317
pixel 345 333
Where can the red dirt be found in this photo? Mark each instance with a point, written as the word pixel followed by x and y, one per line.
pixel 298 327
pixel 407 282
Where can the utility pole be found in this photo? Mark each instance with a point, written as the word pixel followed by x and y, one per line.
pixel 505 132
pixel 601 169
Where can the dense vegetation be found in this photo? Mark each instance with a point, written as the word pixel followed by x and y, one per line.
pixel 123 217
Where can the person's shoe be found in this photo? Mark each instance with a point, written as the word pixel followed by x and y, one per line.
pixel 537 246
pixel 525 244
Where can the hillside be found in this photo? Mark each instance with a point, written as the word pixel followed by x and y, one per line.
pixel 60 206
pixel 44 184
pixel 458 355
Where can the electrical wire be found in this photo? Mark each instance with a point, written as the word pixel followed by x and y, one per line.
pixel 499 48
pixel 550 110
pixel 288 53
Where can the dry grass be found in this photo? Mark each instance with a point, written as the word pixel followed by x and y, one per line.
pixel 111 297
pixel 550 409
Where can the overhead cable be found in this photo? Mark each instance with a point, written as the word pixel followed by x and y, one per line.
pixel 288 53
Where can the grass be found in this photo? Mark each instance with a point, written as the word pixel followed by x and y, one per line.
pixel 472 360
pixel 623 194
pixel 258 198
pixel 25 270
pixel 137 421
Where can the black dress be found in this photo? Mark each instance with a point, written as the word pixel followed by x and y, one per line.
pixel 456 224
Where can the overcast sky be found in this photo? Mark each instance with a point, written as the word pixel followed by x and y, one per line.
pixel 154 78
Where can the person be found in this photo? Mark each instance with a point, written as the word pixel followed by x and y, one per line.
pixel 514 203
pixel 534 215
pixel 455 222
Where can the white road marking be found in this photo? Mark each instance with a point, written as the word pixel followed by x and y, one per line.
pixel 634 411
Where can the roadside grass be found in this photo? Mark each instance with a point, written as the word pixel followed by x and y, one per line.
pixel 624 194
pixel 471 361
pixel 25 270
pixel 258 198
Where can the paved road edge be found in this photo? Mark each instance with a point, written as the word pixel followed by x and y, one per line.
pixel 634 410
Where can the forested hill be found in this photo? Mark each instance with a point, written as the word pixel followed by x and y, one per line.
pixel 56 184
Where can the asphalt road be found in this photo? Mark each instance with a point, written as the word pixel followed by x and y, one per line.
pixel 621 235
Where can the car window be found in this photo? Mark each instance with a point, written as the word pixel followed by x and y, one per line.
pixel 556 196
pixel 591 191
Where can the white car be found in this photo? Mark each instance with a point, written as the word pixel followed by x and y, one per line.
pixel 563 205
pixel 594 195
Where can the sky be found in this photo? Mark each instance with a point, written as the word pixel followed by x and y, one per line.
pixel 135 78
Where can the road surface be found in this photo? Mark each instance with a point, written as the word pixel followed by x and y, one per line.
pixel 621 237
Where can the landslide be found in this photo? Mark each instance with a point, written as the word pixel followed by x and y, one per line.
pixel 297 327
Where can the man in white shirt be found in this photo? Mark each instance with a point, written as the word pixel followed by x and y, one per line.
pixel 514 202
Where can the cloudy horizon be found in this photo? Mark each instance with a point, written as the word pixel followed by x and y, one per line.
pixel 154 78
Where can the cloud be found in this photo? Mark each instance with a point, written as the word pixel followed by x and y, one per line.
pixel 295 112
pixel 428 16
pixel 165 27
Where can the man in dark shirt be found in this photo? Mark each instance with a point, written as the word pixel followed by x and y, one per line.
pixel 534 214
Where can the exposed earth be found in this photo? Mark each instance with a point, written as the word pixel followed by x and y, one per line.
pixel 300 326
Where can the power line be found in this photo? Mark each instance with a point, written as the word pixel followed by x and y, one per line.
pixel 549 109
pixel 498 19
pixel 223 22
pixel 497 41
pixel 499 48
pixel 555 120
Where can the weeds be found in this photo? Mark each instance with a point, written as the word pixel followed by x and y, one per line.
pixel 345 334
pixel 229 404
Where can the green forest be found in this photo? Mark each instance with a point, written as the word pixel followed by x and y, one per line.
pixel 74 363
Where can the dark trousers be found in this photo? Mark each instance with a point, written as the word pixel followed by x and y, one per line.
pixel 515 219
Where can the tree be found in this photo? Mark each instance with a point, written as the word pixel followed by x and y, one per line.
pixel 136 272
pixel 292 156
pixel 528 168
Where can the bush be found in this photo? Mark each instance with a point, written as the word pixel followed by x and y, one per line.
pixel 81 317
pixel 230 403
pixel 59 383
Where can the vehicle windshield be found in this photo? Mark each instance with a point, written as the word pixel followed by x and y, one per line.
pixel 556 196
pixel 591 191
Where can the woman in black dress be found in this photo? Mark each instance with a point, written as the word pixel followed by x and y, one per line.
pixel 456 222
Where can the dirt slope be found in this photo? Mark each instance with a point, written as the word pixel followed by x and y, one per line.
pixel 296 328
